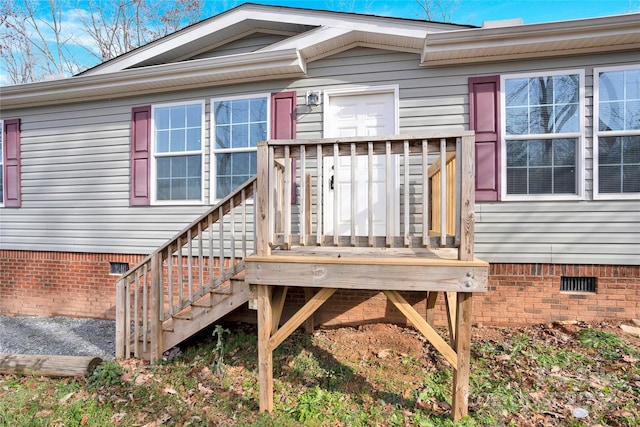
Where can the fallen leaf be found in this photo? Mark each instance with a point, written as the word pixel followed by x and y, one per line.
pixel 84 420
pixel 170 390
pixel 66 397
pixel 116 418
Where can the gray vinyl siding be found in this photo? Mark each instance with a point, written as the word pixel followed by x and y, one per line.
pixel 75 166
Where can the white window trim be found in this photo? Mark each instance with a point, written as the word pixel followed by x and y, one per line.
pixel 212 129
pixel 580 154
pixel 597 133
pixel 154 155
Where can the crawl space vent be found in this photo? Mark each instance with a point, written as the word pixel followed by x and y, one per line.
pixel 578 284
pixel 118 268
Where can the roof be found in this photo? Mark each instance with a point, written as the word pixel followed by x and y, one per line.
pixel 179 61
pixel 593 35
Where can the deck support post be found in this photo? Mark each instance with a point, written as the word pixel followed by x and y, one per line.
pixel 156 288
pixel 460 399
pixel 265 354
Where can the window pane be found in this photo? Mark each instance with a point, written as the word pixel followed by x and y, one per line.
pixel 632 116
pixel 619 164
pixel 258 133
pixel 544 166
pixel 611 116
pixel 516 91
pixel 631 179
pixel 222 113
pixel 564 152
pixel 632 84
pixel 161 118
pixel 517 121
pixel 540 153
pixel 631 149
pixel 258 109
pixel 544 105
pixel 194 116
pixel 179 178
pixel 240 111
pixel 517 153
pixel 610 179
pixel 233 169
pixel 611 85
pixel 162 141
pixel 564 180
pixel 223 136
pixel 517 181
pixel 540 90
pixel 566 89
pixel 240 136
pixel 540 181
pixel 194 139
pixel 177 140
pixel 178 117
pixel 541 119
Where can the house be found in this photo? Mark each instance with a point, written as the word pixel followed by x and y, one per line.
pixel 101 169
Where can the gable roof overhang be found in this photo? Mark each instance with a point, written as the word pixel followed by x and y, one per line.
pixel 249 18
pixel 185 75
pixel 593 35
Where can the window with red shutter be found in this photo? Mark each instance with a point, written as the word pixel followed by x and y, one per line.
pixel 140 153
pixel 10 186
pixel 484 119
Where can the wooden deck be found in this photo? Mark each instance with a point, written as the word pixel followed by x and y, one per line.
pixel 275 232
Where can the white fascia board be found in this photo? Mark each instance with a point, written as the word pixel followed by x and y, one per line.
pixel 367 23
pixel 153 79
pixel 324 41
pixel 520 41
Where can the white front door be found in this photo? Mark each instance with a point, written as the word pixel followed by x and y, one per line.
pixel 360 114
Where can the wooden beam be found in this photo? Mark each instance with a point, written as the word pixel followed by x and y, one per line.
pixel 265 353
pixel 422 325
pixel 432 297
pixel 450 298
pixel 48 365
pixel 460 398
pixel 297 319
pixel 277 302
pixel 155 309
pixel 309 324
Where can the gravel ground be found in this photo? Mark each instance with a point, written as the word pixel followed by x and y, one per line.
pixel 58 335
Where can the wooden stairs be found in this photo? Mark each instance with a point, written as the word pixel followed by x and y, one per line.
pixel 203 312
pixel 192 281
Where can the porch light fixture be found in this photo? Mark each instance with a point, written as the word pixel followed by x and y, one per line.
pixel 313 98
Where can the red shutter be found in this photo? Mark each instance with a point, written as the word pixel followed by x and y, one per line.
pixel 140 155
pixel 11 163
pixel 283 125
pixel 484 119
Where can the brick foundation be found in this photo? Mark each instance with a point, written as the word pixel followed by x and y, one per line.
pixel 79 285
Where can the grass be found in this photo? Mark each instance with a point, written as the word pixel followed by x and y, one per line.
pixel 526 377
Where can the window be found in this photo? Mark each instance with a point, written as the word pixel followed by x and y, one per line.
pixel 238 124
pixel 617 135
pixel 542 130
pixel 177 150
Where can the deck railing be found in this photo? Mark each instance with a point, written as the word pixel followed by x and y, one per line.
pixel 427 208
pixel 200 259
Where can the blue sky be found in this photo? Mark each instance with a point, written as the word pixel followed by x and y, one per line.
pixel 474 12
